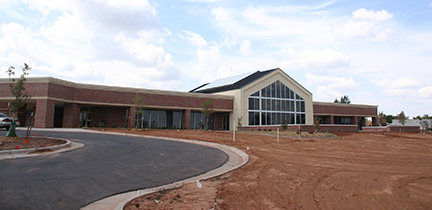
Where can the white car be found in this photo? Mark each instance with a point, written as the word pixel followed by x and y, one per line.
pixel 5 121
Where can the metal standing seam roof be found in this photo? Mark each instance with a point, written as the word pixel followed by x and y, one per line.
pixel 231 83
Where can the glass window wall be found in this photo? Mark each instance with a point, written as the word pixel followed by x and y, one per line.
pixel 275 104
pixel 160 119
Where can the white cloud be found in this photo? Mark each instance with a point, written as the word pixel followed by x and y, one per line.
pixel 245 48
pixel 70 32
pixel 221 14
pixel 371 15
pixel 88 44
pixel 208 56
pixel 43 5
pixel 373 26
pixel 274 24
pixel 323 59
pixel 339 83
pixel 205 1
pixel 127 74
pixel 20 45
pixel 404 87
pixel 425 92
pixel 362 69
pixel 195 39
pixel 128 5
pixel 395 84
pixel 328 87
pixel 145 53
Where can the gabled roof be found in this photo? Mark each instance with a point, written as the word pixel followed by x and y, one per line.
pixel 231 83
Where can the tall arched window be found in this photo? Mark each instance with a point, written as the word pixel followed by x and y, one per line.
pixel 274 104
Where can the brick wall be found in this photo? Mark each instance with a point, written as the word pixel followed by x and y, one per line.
pixel 186 118
pixel 393 128
pixel 338 109
pixel 44 113
pixel 71 115
pixel 218 121
pixel 108 116
pixel 401 128
pixel 131 117
pixel 308 128
pixel 105 96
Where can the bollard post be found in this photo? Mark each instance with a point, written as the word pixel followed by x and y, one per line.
pixel 234 131
pixel 278 135
pixel 299 132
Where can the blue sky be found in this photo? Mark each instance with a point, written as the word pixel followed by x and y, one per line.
pixel 376 52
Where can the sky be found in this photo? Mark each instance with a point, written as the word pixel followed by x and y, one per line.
pixel 377 52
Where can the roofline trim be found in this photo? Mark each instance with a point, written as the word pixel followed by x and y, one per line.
pixel 270 74
pixel 117 88
pixel 342 104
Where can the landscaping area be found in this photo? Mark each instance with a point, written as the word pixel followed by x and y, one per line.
pixel 13 143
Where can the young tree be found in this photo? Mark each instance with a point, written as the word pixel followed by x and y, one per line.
pixel 239 123
pixel 207 110
pixel 86 112
pixel 343 100
pixel 401 116
pixel 389 118
pixel 139 106
pixel 382 119
pixel 18 90
pixel 317 124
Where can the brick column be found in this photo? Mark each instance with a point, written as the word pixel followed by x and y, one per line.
pixel 218 120
pixel 186 118
pixel 375 121
pixel 131 117
pixel 44 113
pixel 331 119
pixel 22 116
pixel 71 115
pixel 354 120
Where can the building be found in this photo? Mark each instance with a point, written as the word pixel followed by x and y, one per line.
pixel 262 99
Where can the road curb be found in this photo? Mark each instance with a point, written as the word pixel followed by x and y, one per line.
pixel 19 153
pixel 237 158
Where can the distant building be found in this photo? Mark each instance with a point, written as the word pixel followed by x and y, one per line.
pixel 262 99
pixel 411 122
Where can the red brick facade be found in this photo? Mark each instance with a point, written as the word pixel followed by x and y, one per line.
pixel 71 115
pixel 308 128
pixel 111 106
pixel 342 109
pixel 115 107
pixel 329 112
pixel 393 128
pixel 44 113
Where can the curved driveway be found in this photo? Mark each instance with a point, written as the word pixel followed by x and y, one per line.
pixel 107 165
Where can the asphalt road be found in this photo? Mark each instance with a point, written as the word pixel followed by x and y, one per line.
pixel 107 165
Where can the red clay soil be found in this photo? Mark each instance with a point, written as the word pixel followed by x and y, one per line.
pixel 352 171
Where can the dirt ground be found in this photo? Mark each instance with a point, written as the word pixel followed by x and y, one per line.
pixel 352 171
pixel 12 143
